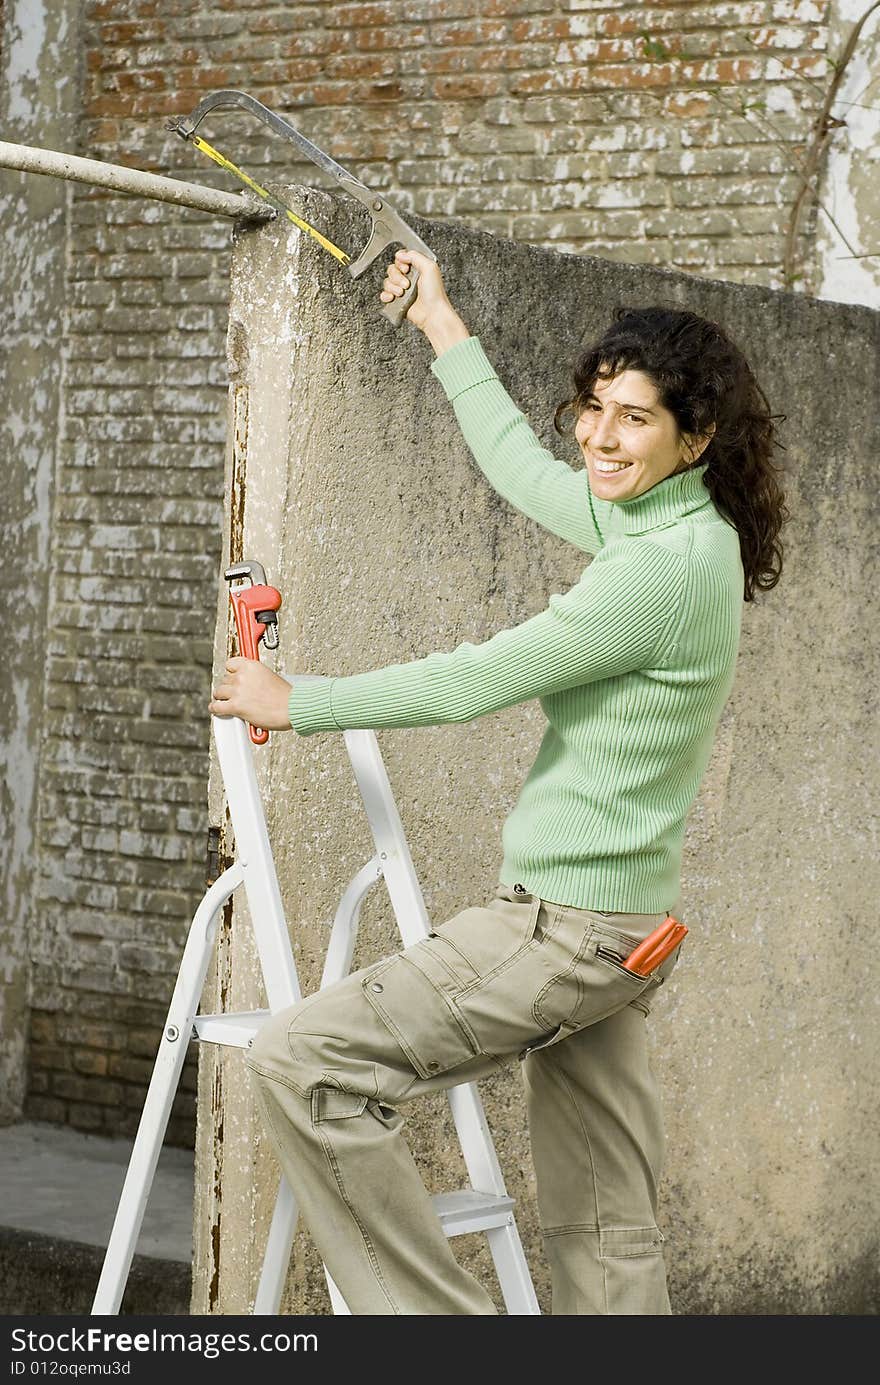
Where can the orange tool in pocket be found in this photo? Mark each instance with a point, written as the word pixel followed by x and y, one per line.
pixel 656 947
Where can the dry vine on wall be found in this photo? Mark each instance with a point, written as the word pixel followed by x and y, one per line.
pixel 823 128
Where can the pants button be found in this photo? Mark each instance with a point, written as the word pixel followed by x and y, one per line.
pixel 433 1066
pixel 377 987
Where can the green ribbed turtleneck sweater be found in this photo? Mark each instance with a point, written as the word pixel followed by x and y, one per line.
pixel 632 666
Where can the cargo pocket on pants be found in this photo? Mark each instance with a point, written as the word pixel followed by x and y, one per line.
pixel 422 1020
pixel 481 943
pixel 634 1272
pixel 331 1104
pixel 630 1243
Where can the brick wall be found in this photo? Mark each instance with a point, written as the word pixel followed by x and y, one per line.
pixel 667 133
pixel 612 129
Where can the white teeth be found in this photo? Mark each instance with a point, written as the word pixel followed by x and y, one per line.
pixel 608 467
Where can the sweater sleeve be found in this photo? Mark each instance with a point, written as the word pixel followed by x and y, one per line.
pixel 617 618
pixel 509 454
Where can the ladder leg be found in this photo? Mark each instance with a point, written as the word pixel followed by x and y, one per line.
pixel 512 1269
pixel 340 1307
pixel 481 1160
pixel 278 1248
pixel 475 1139
pixel 160 1096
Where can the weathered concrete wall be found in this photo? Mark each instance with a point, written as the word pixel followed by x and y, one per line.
pixel 39 106
pixel 348 478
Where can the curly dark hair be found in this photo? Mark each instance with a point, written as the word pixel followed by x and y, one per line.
pixel 702 377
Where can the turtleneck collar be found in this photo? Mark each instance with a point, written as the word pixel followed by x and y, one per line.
pixel 663 503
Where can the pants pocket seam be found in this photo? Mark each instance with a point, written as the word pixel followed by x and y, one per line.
pixel 272 1075
pixel 437 956
pixel 501 967
pixel 319 1117
pixel 575 1229
pixel 650 1242
pixel 560 976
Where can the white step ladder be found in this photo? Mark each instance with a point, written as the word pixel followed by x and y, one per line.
pixel 484 1206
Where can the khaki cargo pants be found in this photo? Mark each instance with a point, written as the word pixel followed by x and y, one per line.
pixel 519 978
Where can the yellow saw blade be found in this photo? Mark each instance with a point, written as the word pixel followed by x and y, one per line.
pixel 220 159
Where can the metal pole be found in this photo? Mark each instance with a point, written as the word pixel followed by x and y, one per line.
pixel 28 159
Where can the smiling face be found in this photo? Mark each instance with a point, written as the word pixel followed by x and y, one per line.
pixel 630 441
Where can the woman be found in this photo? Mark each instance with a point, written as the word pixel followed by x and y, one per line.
pixel 681 511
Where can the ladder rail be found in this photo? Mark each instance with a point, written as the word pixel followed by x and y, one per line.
pixel 276 1258
pixel 254 851
pixel 337 964
pixel 161 1091
pixel 343 934
pixel 466 1107
pixel 388 834
pixel 409 906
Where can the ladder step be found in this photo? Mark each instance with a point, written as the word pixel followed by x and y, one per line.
pixel 470 1210
pixel 235 1029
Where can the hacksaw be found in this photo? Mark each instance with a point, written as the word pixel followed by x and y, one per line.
pixel 388 227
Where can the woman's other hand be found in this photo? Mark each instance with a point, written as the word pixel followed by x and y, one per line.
pixel 253 692
pixel 431 310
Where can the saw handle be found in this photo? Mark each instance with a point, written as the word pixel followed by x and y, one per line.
pixel 397 309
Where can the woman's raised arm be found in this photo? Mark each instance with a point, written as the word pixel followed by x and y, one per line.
pixel 503 444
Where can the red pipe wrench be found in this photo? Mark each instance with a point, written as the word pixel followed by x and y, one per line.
pixel 254 608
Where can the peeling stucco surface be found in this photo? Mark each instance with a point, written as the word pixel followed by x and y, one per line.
pixel 386 542
pixel 38 92
pixel 850 185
